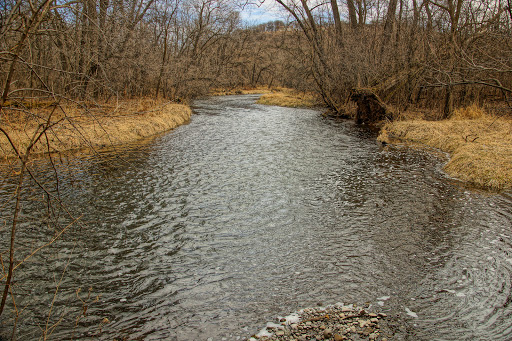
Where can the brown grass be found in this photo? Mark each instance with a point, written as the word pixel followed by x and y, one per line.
pixel 480 144
pixel 290 98
pixel 240 91
pixel 91 126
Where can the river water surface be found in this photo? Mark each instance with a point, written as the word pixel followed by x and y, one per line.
pixel 250 212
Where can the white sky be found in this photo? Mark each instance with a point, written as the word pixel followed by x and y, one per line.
pixel 268 11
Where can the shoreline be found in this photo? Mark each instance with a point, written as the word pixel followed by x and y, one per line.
pixel 480 150
pixel 290 99
pixel 100 127
pixel 278 96
pixel 479 144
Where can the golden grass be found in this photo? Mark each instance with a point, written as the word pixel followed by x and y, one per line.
pixel 97 126
pixel 290 98
pixel 480 145
pixel 240 91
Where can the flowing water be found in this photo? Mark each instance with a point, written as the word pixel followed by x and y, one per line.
pixel 250 212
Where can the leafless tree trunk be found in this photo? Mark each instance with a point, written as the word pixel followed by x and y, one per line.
pixel 390 21
pixel 352 13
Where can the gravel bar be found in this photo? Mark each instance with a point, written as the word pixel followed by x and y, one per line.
pixel 337 322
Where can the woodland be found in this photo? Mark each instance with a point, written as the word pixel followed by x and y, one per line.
pixel 435 55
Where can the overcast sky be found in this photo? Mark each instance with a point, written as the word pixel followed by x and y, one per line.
pixel 268 11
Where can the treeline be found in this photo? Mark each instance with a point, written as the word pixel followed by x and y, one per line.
pixel 95 49
pixel 435 55
pixel 428 54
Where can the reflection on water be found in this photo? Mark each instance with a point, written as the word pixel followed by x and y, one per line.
pixel 250 212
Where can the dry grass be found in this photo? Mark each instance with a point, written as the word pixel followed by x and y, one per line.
pixel 240 91
pixel 480 144
pixel 290 98
pixel 94 126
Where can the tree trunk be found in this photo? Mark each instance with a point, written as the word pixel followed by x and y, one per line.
pixel 448 103
pixel 162 66
pixel 352 13
pixel 337 20
pixel 390 21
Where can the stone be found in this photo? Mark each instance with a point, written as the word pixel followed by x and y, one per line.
pixel 280 333
pixel 327 333
pixel 363 323
pixel 367 331
pixel 338 337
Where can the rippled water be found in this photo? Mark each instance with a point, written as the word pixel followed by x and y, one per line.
pixel 250 212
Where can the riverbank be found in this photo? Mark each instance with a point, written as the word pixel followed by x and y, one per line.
pixel 290 98
pixel 240 91
pixel 278 96
pixel 90 126
pixel 479 144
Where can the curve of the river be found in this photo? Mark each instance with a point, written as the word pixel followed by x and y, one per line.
pixel 250 212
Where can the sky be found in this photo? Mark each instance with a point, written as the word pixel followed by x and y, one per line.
pixel 267 11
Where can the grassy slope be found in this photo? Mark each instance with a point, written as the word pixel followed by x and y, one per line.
pixel 480 145
pixel 240 91
pixel 99 126
pixel 290 98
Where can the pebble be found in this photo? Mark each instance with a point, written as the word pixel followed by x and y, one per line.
pixel 338 323
pixel 327 333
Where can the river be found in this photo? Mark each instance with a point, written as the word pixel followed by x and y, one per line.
pixel 250 212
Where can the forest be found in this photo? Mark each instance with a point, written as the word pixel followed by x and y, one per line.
pixel 435 55
pixel 374 61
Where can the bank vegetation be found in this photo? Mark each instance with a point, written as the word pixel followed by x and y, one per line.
pixel 479 144
pixel 98 125
pixel 291 98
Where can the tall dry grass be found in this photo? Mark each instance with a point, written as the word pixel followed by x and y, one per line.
pixel 290 98
pixel 240 91
pixel 480 144
pixel 93 126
